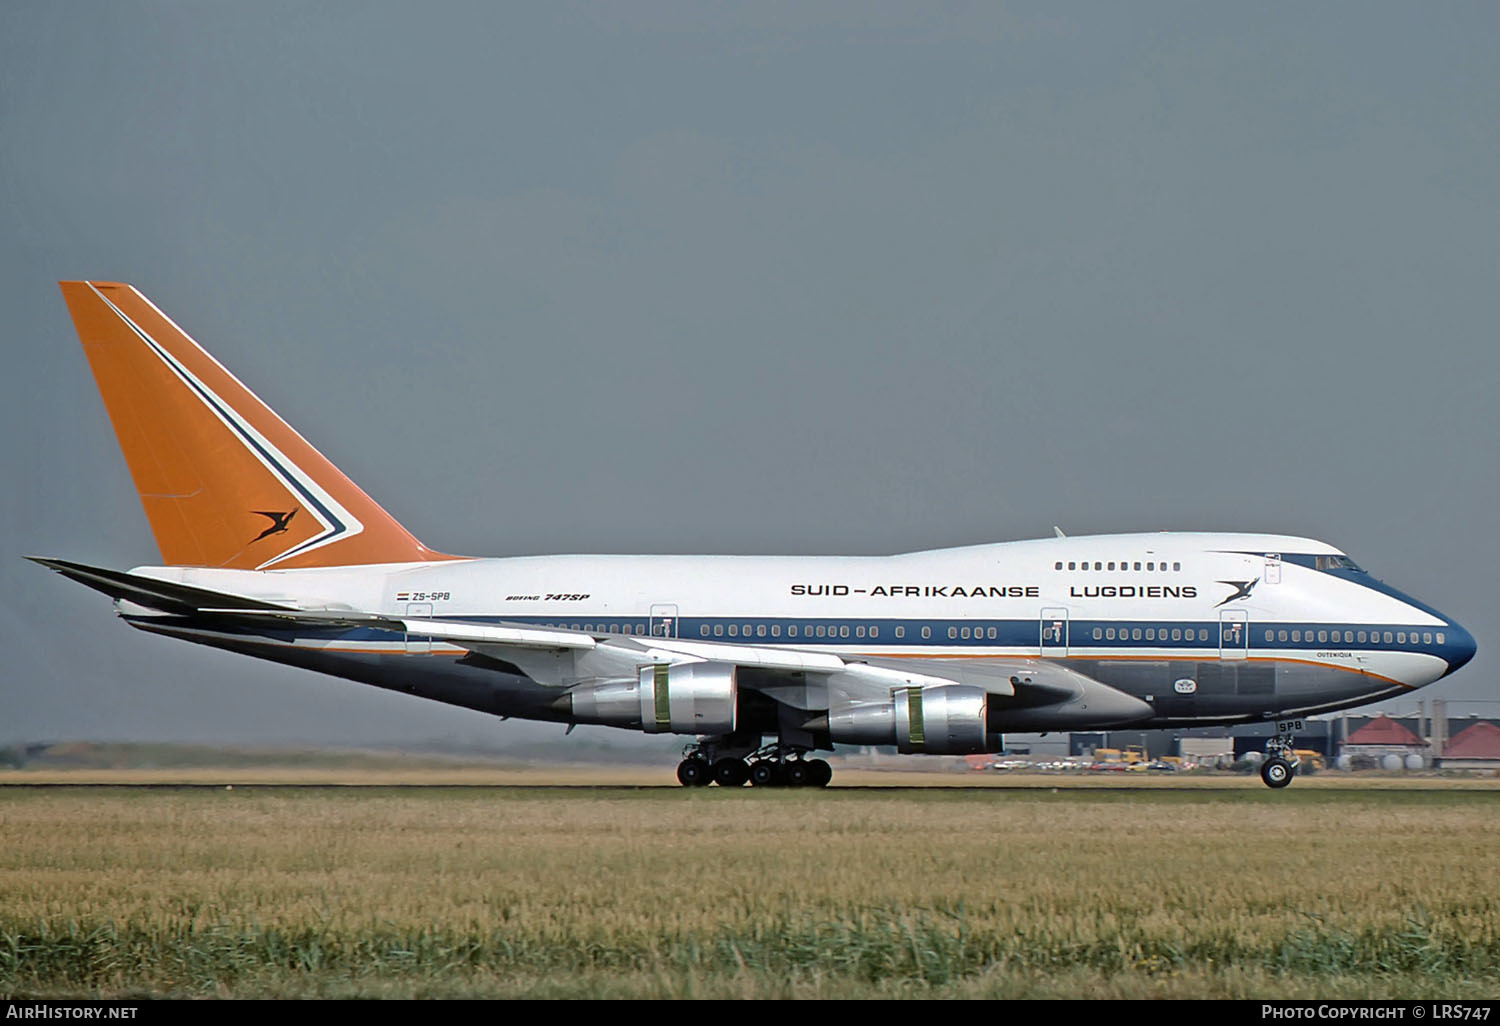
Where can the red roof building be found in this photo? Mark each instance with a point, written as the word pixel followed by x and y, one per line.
pixel 1476 747
pixel 1385 733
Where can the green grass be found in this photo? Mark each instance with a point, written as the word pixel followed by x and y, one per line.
pixel 650 893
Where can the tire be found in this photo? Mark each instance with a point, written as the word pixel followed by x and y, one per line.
pixel 765 774
pixel 798 774
pixel 1276 772
pixel 693 773
pixel 731 772
pixel 819 773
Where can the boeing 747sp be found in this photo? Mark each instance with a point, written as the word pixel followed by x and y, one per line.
pixel 269 551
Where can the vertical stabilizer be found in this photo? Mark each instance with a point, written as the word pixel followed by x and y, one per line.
pixel 224 480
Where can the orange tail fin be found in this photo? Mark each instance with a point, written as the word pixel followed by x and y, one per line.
pixel 225 482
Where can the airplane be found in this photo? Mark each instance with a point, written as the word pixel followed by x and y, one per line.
pixel 761 662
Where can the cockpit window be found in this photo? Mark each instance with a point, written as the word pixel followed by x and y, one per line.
pixel 1338 563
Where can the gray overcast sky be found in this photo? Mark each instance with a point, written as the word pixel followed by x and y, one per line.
pixel 765 277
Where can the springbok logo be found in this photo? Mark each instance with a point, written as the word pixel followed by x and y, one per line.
pixel 278 522
pixel 1242 589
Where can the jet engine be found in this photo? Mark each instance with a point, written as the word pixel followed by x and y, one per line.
pixel 947 720
pixel 686 698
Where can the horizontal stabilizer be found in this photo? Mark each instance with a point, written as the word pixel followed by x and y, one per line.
pixel 146 591
pixel 473 636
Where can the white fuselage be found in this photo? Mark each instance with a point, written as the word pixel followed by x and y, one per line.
pixel 1099 602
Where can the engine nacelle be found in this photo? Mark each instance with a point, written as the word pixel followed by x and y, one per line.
pixel 688 698
pixel 944 721
pixel 693 698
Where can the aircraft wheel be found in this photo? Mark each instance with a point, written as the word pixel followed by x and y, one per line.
pixel 798 774
pixel 1276 772
pixel 731 772
pixel 693 773
pixel 765 773
pixel 819 773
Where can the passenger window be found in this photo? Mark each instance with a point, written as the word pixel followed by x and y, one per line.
pixel 1281 635
pixel 1362 637
pixel 1150 566
pixel 1176 566
pixel 1072 566
pixel 1270 635
pixel 952 632
pixel 1176 633
pixel 703 630
pixel 900 632
pixel 993 634
pixel 1296 635
pixel 874 632
pixel 1400 637
pixel 775 630
pixel 1441 639
pixel 760 630
pixel 859 631
pixel 822 631
pixel 926 632
pixel 1150 633
pixel 734 630
pixel 844 631
pixel 747 630
pixel 1348 637
pixel 791 630
pixel 1387 637
pixel 1098 566
pixel 1057 567
pixel 1426 638
pixel 1111 566
pixel 1135 635
pixel 1138 565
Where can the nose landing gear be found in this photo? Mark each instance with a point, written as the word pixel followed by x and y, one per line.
pixel 1276 772
pixel 1281 759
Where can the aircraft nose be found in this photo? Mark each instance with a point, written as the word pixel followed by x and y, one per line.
pixel 1459 648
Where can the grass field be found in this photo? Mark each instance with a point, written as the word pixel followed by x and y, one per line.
pixel 1228 890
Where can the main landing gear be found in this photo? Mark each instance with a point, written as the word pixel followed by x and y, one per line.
pixel 774 765
pixel 1281 760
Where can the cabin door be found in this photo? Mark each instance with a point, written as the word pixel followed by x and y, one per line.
pixel 1234 633
pixel 1054 633
pixel 663 620
pixel 418 644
